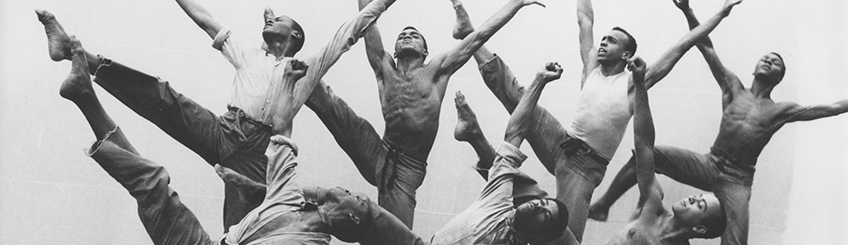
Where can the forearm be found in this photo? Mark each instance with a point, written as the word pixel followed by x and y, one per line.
pixel 643 124
pixel 373 42
pixel 693 22
pixel 200 16
pixel 346 36
pixel 667 61
pixel 521 118
pixel 585 21
pixel 499 19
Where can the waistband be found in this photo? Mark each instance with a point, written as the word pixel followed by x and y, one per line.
pixel 393 156
pixel 732 165
pixel 575 146
pixel 241 115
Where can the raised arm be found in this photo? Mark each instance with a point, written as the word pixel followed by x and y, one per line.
pixel 727 81
pixel 346 36
pixel 377 55
pixel 795 112
pixel 661 67
pixel 643 136
pixel 201 17
pixel 451 61
pixel 588 53
pixel 521 118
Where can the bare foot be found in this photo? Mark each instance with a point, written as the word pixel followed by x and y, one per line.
pixel 463 26
pixel 467 127
pixel 58 42
pixel 596 212
pixel 78 83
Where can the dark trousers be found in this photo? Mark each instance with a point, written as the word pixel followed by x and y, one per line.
pixel 232 140
pixel 165 218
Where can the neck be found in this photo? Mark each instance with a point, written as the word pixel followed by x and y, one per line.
pixel 762 87
pixel 674 230
pixel 612 69
pixel 406 64
pixel 278 49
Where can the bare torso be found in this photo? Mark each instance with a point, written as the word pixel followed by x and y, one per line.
pixel 411 106
pixel 644 229
pixel 747 125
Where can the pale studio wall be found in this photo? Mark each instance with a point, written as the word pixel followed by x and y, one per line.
pixel 50 192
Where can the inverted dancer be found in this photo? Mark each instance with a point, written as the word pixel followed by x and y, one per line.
pixel 699 216
pixel 411 94
pixel 493 218
pixel 266 94
pixel 749 119
pixel 288 214
pixel 578 156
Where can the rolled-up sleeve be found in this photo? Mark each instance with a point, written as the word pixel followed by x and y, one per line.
pixel 501 175
pixel 232 49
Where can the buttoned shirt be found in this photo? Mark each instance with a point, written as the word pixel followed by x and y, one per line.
pixel 261 77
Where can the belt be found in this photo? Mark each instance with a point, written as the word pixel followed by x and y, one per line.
pixel 574 146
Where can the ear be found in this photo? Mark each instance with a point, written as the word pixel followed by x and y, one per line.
pixel 626 55
pixel 426 53
pixel 700 229
pixel 269 14
pixel 297 34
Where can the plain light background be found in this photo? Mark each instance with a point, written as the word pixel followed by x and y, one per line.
pixel 50 192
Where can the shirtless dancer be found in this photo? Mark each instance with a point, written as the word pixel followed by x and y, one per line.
pixel 578 156
pixel 262 91
pixel 699 216
pixel 411 94
pixel 749 119
pixel 288 214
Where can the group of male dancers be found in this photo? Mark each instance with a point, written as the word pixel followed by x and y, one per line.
pixel 251 149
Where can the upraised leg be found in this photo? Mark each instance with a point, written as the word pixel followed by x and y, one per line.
pixel 623 181
pixel 58 41
pixel 463 26
pixel 735 197
pixel 165 218
pixel 684 166
pixel 468 130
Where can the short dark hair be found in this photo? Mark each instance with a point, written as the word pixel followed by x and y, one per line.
pixel 298 44
pixel 631 42
pixel 715 224
pixel 555 230
pixel 419 33
pixel 782 64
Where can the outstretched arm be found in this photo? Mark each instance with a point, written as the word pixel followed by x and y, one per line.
pixel 201 17
pixel 667 61
pixel 346 36
pixel 521 118
pixel 377 56
pixel 588 53
pixel 451 61
pixel 797 112
pixel 643 135
pixel 728 81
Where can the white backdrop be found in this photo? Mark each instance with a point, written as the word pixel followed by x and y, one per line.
pixel 51 193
